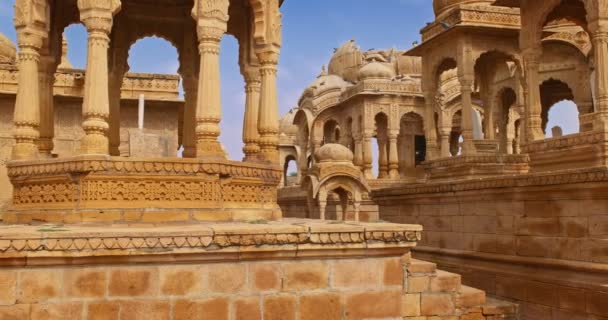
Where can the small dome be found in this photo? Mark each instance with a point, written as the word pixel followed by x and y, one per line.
pixel 333 152
pixel 286 125
pixel 8 52
pixel 443 6
pixel 326 82
pixel 376 70
pixel 345 61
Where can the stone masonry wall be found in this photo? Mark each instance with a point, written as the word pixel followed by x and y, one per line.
pixel 367 288
pixel 544 246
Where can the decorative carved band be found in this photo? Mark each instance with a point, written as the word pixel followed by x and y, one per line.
pixel 71 242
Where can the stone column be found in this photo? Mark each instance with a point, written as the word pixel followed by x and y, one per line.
pixel 268 120
pixel 97 16
pixel 367 156
pixel 445 142
pixel 466 89
pixel 209 104
pixel 250 123
pixel 599 37
pixel 393 156
pixel 358 154
pixel 27 106
pixel 532 94
pixel 189 130
pixel 382 159
pixel 47 116
pixel 430 126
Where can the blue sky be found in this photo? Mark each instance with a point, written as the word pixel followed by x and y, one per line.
pixel 311 30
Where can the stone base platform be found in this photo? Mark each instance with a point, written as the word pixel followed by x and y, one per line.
pixel 114 189
pixel 475 167
pixel 289 269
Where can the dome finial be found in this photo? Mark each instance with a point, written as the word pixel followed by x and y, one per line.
pixel 323 71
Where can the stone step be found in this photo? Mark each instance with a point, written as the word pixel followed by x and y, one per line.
pixel 421 267
pixel 470 297
pixel 499 309
pixel 444 281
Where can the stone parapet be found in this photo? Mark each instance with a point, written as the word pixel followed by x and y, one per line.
pixel 581 150
pixel 70 83
pixel 467 167
pixel 475 16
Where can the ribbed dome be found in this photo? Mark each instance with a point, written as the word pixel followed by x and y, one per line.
pixel 326 82
pixel 376 70
pixel 333 152
pixel 286 123
pixel 443 6
pixel 8 52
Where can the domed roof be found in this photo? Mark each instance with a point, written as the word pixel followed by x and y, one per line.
pixel 376 70
pixel 8 52
pixel 334 152
pixel 443 6
pixel 326 82
pixel 286 125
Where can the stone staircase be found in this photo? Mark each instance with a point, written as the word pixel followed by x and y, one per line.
pixel 439 295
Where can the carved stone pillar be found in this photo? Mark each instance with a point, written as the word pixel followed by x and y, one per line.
pixel 532 93
pixel 382 159
pixel 209 104
pixel 358 159
pixel 250 123
pixel 97 16
pixel 445 142
pixel 268 120
pixel 114 117
pixel 189 126
pixel 600 50
pixel 27 106
pixel 430 126
pixel 47 118
pixel 212 24
pixel 393 156
pixel 466 89
pixel 367 156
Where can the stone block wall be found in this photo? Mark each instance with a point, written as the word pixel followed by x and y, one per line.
pixel 543 244
pixel 300 270
pixel 369 288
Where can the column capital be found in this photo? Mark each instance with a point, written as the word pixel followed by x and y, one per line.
pixel 252 75
pixel 268 56
pixel 532 56
pixel 211 19
pixel 97 15
pixel 27 39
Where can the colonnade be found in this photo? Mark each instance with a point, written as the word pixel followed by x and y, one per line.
pixel 33 120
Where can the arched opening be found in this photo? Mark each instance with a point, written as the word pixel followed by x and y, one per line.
pixel 290 171
pixel 331 132
pixel 233 97
pixel 412 144
pixel 506 116
pixel 149 115
pixel 74 47
pixel 381 144
pixel 559 113
pixel 490 68
pixel 448 85
pixel 72 61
